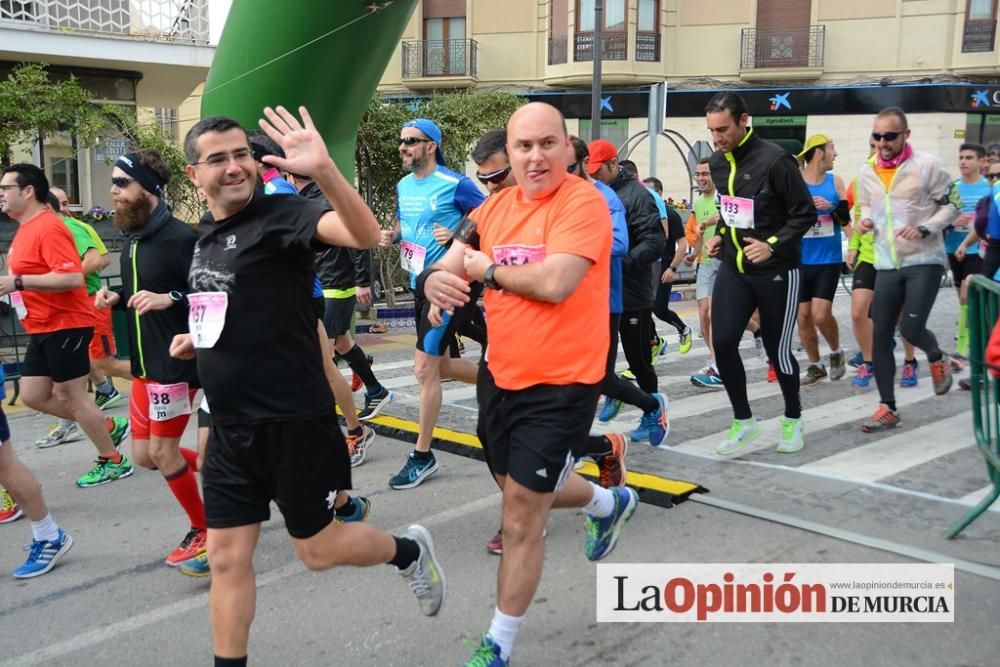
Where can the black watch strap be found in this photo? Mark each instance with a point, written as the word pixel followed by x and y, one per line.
pixel 488 278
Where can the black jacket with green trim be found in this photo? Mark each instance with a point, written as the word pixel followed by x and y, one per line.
pixel 783 207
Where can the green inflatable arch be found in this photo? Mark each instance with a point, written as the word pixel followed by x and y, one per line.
pixel 328 55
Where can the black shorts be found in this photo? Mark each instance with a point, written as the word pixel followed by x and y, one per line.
pixel 60 355
pixel 971 266
pixel 337 315
pixel 864 276
pixel 819 281
pixel 532 435
pixel 300 464
pixel 435 340
pixel 204 419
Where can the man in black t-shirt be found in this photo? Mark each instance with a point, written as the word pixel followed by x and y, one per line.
pixel 253 329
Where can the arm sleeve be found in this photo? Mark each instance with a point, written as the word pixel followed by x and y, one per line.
pixel 362 260
pixel 467 195
pixel 944 193
pixel 786 179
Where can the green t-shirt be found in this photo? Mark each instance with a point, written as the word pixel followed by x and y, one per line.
pixel 86 238
pixel 704 208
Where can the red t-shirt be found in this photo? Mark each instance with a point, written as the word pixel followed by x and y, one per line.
pixel 535 342
pixel 44 245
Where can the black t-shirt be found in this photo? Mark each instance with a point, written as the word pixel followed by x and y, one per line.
pixel 675 232
pixel 266 364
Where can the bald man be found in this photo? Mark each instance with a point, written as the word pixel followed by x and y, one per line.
pixel 543 250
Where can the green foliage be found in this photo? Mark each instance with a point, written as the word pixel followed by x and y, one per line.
pixel 463 118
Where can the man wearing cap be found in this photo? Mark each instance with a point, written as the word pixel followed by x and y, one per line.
pixel 645 245
pixel 822 256
pixel 431 201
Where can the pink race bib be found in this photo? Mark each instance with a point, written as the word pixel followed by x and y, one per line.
pixel 517 254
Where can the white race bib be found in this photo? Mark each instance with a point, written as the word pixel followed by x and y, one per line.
pixel 17 301
pixel 411 257
pixel 823 227
pixel 737 211
pixel 207 317
pixel 167 401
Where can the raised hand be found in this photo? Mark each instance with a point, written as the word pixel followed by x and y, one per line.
pixel 305 151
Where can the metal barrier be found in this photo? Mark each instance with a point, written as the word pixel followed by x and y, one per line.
pixel 984 309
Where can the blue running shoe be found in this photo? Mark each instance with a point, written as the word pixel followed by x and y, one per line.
pixel 42 556
pixel 602 534
pixel 641 432
pixel 612 406
pixel 487 655
pixel 362 506
pixel 910 374
pixel 856 360
pixel 709 379
pixel 659 424
pixel 196 567
pixel 414 472
pixel 863 377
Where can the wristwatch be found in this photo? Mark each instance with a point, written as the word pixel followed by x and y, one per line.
pixel 488 278
pixel 175 296
pixel 18 284
pixel 924 232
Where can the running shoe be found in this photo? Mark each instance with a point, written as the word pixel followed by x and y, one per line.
pixel 414 472
pixel 628 374
pixel 62 433
pixel 193 544
pixel 838 365
pixel 612 406
pixel 964 384
pixel 856 360
pixel 611 467
pixel 425 576
pixel 105 472
pixel 941 375
pixel 375 404
pixel 686 340
pixel 105 401
pixel 495 544
pixel 487 655
pixel 772 374
pixel 862 379
pixel 659 421
pixel 602 533
pixel 813 375
pixel 196 567
pixel 357 445
pixel 740 433
pixel 910 374
pixel 42 556
pixel 882 420
pixel 362 507
pixel 9 510
pixel 119 430
pixel 792 435
pixel 709 379
pixel 658 347
pixel 758 343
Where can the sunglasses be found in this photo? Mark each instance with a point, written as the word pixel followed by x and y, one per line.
pixel 121 182
pixel 573 167
pixel 495 177
pixel 410 141
pixel 992 177
pixel 888 136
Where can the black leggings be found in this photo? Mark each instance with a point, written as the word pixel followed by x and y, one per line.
pixel 911 291
pixel 776 295
pixel 620 388
pixel 991 262
pixel 638 336
pixel 661 307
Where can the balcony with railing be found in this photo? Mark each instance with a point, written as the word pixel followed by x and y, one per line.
pixel 978 35
pixel 647 47
pixel 440 63
pixel 765 50
pixel 614 46
pixel 182 21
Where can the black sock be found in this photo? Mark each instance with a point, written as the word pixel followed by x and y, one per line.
pixel 346 509
pixel 910 361
pixel 230 662
pixel 597 446
pixel 356 431
pixel 355 358
pixel 422 456
pixel 407 551
pixel 891 405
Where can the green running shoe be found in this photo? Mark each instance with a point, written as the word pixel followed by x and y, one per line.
pixel 119 430
pixel 687 337
pixel 602 533
pixel 105 472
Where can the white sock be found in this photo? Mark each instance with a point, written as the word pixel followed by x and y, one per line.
pixel 45 530
pixel 602 503
pixel 714 367
pixel 837 351
pixel 503 631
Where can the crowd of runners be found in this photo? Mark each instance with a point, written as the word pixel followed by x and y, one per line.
pixel 262 293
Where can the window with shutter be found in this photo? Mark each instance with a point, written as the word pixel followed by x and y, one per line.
pixel 979 31
pixel 782 35
pixel 445 48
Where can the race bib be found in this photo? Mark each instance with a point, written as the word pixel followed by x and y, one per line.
pixel 411 257
pixel 207 317
pixel 823 227
pixel 167 401
pixel 17 301
pixel 515 255
pixel 737 211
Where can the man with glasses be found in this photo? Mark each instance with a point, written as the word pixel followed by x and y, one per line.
pixel 48 293
pixel 907 200
pixel 431 201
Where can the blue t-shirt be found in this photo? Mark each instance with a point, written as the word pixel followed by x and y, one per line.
pixel 822 244
pixel 619 243
pixel 660 205
pixel 970 193
pixel 441 198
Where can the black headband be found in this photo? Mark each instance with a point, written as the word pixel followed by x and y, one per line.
pixel 146 177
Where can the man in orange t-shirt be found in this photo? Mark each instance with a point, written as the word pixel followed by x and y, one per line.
pixel 47 291
pixel 543 250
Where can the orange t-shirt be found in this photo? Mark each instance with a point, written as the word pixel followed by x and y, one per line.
pixel 886 174
pixel 44 245
pixel 534 342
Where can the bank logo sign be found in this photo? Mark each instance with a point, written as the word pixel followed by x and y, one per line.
pixel 985 98
pixel 780 101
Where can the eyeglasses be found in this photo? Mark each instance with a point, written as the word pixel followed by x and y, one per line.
pixel 494 177
pixel 220 160
pixel 888 136
pixel 122 182
pixel 409 141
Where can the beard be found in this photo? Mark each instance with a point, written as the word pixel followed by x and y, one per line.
pixel 416 164
pixel 130 216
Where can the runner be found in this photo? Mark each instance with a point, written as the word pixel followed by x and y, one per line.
pixel 861 261
pixel 766 208
pixel 47 290
pixel 546 243
pixel 972 187
pixel 250 282
pixel 907 199
pixel 674 252
pixel 431 201
pixel 822 258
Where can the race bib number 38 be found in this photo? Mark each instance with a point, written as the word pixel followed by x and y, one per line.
pixel 207 317
pixel 737 211
pixel 167 401
pixel 516 254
